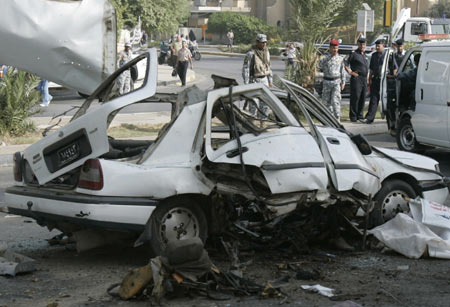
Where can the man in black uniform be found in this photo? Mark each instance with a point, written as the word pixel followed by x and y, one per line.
pixel 357 66
pixel 394 61
pixel 400 53
pixel 376 63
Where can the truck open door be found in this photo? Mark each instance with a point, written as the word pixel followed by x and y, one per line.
pixel 404 15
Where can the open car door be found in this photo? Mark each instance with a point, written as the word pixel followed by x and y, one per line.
pixel 85 137
pixel 346 166
pixel 387 83
pixel 72 43
pixel 269 138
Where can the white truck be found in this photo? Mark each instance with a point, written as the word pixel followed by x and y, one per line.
pixel 406 27
pixel 410 28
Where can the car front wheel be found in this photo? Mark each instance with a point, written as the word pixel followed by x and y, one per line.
pixel 406 138
pixel 390 200
pixel 177 219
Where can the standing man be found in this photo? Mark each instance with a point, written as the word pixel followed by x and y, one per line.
pixel 357 66
pixel 183 59
pixel 291 53
pixel 175 46
pixel 125 77
pixel 332 66
pixel 46 97
pixel 230 36
pixel 376 63
pixel 400 53
pixel 256 69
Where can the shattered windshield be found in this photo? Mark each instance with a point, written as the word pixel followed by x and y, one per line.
pixel 317 111
pixel 248 113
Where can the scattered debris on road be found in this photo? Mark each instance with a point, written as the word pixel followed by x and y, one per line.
pixel 12 263
pixel 319 289
pixel 426 233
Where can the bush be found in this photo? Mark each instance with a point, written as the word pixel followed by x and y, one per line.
pixel 18 97
pixel 244 27
pixel 274 51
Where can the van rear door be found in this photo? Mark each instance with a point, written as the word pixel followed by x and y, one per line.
pixel 431 117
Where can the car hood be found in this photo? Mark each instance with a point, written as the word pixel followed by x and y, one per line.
pixel 410 159
pixel 72 43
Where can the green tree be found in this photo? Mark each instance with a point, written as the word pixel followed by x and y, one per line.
pixel 156 15
pixel 244 27
pixel 438 9
pixel 18 98
pixel 310 20
pixel 347 14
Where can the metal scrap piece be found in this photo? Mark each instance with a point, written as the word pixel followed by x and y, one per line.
pixel 12 263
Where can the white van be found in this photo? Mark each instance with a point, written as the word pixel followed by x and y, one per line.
pixel 425 119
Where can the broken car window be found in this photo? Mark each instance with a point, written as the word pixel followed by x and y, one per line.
pixel 129 141
pixel 251 113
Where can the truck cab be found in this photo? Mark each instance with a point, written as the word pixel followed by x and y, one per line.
pixel 415 26
pixel 419 115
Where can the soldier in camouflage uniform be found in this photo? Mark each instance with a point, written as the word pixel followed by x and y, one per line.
pixel 256 69
pixel 332 66
pixel 125 77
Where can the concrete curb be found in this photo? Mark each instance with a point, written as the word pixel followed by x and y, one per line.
pixel 377 127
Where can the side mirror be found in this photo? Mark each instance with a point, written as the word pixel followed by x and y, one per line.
pixel 362 144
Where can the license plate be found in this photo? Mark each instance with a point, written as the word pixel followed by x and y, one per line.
pixel 68 153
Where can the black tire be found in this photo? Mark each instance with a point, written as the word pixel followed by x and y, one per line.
pixel 164 227
pixel 406 139
pixel 197 56
pixel 389 201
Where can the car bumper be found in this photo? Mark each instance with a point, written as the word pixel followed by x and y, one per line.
pixel 49 207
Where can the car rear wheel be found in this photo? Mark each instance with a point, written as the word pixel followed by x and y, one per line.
pixel 390 200
pixel 406 138
pixel 177 219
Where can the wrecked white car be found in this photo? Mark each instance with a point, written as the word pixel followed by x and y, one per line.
pixel 212 152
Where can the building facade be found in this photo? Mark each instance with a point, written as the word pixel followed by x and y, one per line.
pixel 418 7
pixel 274 12
pixel 202 9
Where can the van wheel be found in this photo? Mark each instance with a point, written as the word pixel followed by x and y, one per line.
pixel 406 138
pixel 390 200
pixel 175 219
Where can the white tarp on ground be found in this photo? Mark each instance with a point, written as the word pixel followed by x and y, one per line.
pixel 428 231
pixel 72 43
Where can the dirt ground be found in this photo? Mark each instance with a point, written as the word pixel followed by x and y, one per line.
pixel 368 278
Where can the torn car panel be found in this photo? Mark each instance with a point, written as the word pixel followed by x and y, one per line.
pixel 72 43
